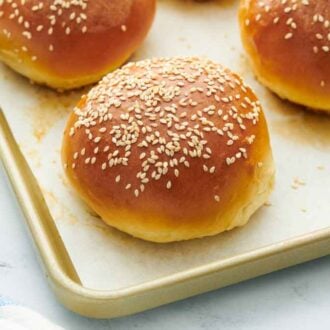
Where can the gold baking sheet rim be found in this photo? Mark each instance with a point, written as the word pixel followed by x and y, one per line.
pixel 107 304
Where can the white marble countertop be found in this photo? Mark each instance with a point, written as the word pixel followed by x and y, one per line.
pixel 296 298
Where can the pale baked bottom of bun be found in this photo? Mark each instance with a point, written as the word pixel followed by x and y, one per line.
pixel 39 75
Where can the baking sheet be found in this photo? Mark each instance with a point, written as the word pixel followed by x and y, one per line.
pixel 106 259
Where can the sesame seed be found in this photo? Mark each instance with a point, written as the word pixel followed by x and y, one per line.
pixel 288 36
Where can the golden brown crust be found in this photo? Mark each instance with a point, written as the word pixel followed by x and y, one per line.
pixel 169 149
pixel 288 43
pixel 66 44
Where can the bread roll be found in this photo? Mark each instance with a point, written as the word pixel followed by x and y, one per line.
pixel 288 43
pixel 69 43
pixel 170 149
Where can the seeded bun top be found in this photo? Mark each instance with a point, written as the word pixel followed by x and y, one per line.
pixel 289 46
pixel 69 43
pixel 170 149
